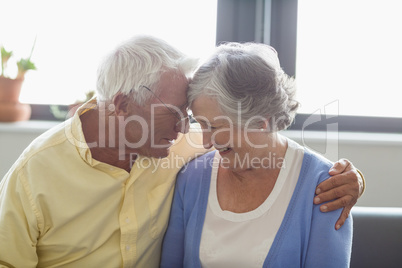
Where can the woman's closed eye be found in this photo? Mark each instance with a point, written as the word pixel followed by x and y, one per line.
pixel 206 126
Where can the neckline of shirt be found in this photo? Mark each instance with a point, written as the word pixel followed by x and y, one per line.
pixel 266 205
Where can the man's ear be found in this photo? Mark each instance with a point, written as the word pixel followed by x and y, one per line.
pixel 122 104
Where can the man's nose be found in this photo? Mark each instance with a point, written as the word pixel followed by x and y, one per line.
pixel 183 125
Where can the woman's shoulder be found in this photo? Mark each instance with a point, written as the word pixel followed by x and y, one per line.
pixel 311 160
pixel 317 159
pixel 315 165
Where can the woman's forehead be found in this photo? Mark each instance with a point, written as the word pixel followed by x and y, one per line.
pixel 207 108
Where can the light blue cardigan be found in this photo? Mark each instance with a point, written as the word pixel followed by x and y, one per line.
pixel 306 237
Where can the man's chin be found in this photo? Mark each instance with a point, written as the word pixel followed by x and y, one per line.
pixel 160 152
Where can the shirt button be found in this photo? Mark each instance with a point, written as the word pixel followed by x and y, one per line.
pixel 127 247
pixel 127 220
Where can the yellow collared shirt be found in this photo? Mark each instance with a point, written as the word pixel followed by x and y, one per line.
pixel 59 207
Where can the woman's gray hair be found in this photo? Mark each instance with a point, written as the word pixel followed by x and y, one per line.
pixel 138 62
pixel 247 82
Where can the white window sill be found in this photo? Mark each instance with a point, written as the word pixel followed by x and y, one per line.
pixel 34 127
pixel 38 127
pixel 346 137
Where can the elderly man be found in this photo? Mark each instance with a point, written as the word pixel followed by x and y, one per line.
pixel 96 190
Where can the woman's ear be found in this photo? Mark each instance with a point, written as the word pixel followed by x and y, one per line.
pixel 264 124
pixel 122 104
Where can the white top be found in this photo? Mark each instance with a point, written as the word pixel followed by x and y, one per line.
pixel 243 239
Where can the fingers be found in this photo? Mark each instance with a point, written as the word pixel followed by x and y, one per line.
pixel 342 202
pixel 340 166
pixel 350 179
pixel 344 215
pixel 346 202
pixel 342 190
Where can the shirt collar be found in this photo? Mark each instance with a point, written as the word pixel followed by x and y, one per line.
pixel 75 134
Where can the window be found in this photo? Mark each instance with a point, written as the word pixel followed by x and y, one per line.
pixel 349 54
pixel 72 36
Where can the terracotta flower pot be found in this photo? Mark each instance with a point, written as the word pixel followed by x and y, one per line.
pixel 10 108
pixel 10 89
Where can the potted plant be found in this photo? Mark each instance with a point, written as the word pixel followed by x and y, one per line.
pixel 10 107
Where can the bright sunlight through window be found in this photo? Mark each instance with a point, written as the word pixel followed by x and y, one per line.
pixel 349 52
pixel 72 37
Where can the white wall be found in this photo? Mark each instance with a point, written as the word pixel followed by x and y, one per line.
pixel 378 156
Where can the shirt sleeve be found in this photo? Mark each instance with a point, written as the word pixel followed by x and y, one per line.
pixel 329 247
pixel 18 223
pixel 173 243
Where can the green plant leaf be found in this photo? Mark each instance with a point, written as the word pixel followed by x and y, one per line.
pixel 5 56
pixel 25 65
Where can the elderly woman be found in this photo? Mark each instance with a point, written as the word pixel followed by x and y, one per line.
pixel 249 203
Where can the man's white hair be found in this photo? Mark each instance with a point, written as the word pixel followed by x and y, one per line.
pixel 137 62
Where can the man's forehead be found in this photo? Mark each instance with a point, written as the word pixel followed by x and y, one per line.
pixel 173 88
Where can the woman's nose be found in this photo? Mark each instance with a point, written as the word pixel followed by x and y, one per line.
pixel 207 140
